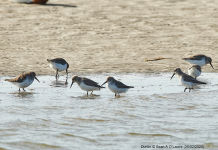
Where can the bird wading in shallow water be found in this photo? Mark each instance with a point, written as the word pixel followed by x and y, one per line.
pixel 86 84
pixel 188 81
pixel 58 64
pixel 116 86
pixel 23 80
pixel 200 60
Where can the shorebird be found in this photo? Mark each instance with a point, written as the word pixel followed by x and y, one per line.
pixel 86 84
pixel 116 86
pixel 58 64
pixel 194 71
pixel 23 80
pixel 188 81
pixel 200 60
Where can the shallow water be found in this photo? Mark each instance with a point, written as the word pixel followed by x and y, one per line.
pixel 50 115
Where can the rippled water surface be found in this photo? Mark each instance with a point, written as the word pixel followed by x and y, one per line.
pixel 50 115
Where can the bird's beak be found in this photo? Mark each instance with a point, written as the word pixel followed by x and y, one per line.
pixel 71 84
pixel 211 65
pixel 37 79
pixel 172 75
pixel 104 83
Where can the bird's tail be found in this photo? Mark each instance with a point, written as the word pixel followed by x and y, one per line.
pixel 203 83
pixel 101 87
pixel 49 60
pixel 199 82
pixel 130 86
pixel 7 80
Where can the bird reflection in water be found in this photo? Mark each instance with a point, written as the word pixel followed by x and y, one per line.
pixel 23 94
pixel 58 83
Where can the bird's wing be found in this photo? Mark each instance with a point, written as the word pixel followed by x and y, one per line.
pixel 195 57
pixel 19 78
pixel 90 82
pixel 121 85
pixel 59 60
pixel 189 78
pixel 196 66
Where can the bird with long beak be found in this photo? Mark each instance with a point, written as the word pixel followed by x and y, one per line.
pixel 23 80
pixel 58 64
pixel 200 60
pixel 86 84
pixel 116 86
pixel 186 80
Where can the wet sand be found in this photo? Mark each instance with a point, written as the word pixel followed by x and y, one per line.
pixel 106 36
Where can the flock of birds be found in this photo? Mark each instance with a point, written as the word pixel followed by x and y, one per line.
pixel 59 64
pixel 115 86
pixel 189 81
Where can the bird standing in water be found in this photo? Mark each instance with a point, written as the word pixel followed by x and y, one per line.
pixel 188 81
pixel 58 64
pixel 86 84
pixel 116 86
pixel 23 80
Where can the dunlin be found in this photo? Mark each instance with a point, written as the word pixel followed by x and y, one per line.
pixel 200 60
pixel 188 81
pixel 58 64
pixel 23 80
pixel 194 71
pixel 116 86
pixel 86 84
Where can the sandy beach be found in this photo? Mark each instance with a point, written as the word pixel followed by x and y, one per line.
pixel 107 36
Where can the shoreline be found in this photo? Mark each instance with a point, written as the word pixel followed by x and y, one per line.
pixel 70 74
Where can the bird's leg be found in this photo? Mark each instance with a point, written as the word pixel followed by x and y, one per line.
pixel 56 76
pixel 185 89
pixel 87 93
pixel 66 77
pixel 24 90
pixel 115 94
pixel 190 89
pixel 91 93
pixel 19 90
pixel 67 72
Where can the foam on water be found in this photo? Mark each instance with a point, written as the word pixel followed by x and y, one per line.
pixel 50 115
